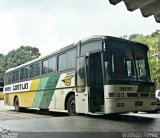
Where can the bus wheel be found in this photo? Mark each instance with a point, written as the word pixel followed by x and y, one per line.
pixel 16 104
pixel 71 106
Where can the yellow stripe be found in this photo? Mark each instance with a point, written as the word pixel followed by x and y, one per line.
pixel 26 99
pixel 34 85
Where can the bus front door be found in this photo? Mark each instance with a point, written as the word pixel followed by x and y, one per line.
pixel 90 92
pixel 81 96
pixel 95 83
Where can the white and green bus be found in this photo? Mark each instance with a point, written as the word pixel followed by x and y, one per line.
pixel 100 74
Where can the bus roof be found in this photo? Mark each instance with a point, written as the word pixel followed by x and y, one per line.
pixel 43 57
pixel 104 37
pixel 73 45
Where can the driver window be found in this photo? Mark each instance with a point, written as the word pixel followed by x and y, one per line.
pixel 81 75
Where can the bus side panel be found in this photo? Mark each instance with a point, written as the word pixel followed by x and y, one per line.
pixel 65 84
pixel 1 95
pixel 22 96
pixel 58 100
pixel 26 98
pixel 39 92
pixel 9 99
pixel 33 88
pixel 50 88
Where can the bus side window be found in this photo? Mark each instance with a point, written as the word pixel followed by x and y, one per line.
pixel 52 64
pixel 26 71
pixel 31 70
pixel 10 78
pixel 71 59
pixel 81 75
pixel 45 67
pixel 62 62
pixel 22 73
pixel 37 69
pixel 6 78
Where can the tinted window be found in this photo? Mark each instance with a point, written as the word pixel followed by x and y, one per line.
pixel 13 77
pixel 17 75
pixel 6 79
pixel 71 59
pixel 22 73
pixel 37 69
pixel 45 67
pixel 9 77
pixel 81 76
pixel 62 62
pixel 31 70
pixel 52 64
pixel 91 46
pixel 26 71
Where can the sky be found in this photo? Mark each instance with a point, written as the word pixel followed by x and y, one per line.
pixel 52 24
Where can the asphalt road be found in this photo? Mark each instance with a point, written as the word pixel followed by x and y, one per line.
pixel 34 123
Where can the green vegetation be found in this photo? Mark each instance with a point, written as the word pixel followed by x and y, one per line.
pixel 153 42
pixel 17 57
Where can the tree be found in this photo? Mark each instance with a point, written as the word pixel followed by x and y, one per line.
pixel 138 38
pixel 17 57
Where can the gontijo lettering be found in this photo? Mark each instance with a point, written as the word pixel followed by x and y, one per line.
pixel 20 87
pixel 7 88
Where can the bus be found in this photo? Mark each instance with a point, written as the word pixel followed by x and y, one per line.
pixel 97 75
pixel 1 90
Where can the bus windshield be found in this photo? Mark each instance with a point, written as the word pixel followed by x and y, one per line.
pixel 124 61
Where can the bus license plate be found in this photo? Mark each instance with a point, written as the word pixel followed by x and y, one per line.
pixel 138 103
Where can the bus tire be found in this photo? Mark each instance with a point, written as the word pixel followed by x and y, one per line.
pixel 16 105
pixel 71 106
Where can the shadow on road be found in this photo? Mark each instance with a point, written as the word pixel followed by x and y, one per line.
pixel 113 117
pixel 46 113
pixel 125 118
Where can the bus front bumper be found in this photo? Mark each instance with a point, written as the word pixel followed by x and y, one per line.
pixel 129 105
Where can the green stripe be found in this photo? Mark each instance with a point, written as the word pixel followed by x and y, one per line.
pixel 39 94
pixel 47 95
